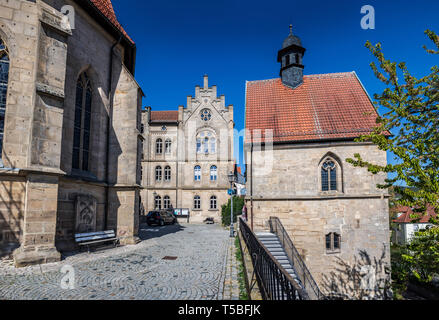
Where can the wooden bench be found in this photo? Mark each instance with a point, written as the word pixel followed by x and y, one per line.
pixel 93 238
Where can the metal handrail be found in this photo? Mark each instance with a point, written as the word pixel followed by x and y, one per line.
pixel 296 260
pixel 274 281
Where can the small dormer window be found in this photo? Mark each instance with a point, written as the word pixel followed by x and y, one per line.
pixel 287 60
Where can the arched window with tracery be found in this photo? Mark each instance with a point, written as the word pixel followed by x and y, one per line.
pixel 206 142
pixel 82 124
pixel 329 175
pixel 4 80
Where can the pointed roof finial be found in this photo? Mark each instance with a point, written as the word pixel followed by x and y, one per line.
pixel 291 29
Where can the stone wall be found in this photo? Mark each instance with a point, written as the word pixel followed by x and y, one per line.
pixel 39 185
pixel 66 215
pixel 12 196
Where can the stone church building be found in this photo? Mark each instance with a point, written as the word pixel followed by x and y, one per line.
pixel 69 109
pixel 300 129
pixel 187 155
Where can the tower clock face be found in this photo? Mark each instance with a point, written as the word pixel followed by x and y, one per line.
pixel 206 115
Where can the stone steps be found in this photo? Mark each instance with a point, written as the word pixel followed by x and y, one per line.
pixel 272 243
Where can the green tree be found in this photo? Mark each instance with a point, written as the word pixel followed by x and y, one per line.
pixel 238 203
pixel 412 110
pixel 422 255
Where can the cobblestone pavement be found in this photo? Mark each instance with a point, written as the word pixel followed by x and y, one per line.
pixel 231 283
pixel 136 272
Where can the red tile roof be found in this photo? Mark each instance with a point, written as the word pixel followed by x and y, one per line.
pixel 407 211
pixel 164 116
pixel 325 106
pixel 106 7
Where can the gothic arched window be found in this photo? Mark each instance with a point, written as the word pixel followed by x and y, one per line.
pixel 166 202
pixel 206 142
pixel 159 146
pixel 197 173
pixel 4 79
pixel 158 173
pixel 329 175
pixel 213 203
pixel 213 173
pixel 197 202
pixel 167 173
pixel 82 124
pixel 168 145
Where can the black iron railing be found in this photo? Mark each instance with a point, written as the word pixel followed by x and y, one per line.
pixel 302 272
pixel 274 281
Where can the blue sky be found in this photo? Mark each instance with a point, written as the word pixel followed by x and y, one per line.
pixel 234 41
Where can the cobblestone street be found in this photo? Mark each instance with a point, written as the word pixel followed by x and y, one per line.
pixel 138 272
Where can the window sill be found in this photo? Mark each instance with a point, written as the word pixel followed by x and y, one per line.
pixel 214 210
pixel 197 209
pixel 333 252
pixel 86 175
pixel 330 193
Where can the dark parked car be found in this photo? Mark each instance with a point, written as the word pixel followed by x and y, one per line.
pixel 160 218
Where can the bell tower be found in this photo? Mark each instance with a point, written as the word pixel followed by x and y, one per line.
pixel 291 59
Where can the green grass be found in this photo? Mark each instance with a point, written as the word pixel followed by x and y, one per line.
pixel 243 295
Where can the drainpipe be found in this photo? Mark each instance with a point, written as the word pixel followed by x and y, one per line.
pixel 251 185
pixel 110 118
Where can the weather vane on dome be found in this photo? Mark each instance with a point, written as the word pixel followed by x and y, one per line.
pixel 291 29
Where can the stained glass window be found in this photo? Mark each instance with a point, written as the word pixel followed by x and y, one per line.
pixel 82 124
pixel 4 77
pixel 329 176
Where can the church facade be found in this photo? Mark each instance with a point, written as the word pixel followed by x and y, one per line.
pixel 188 154
pixel 69 109
pixel 300 129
